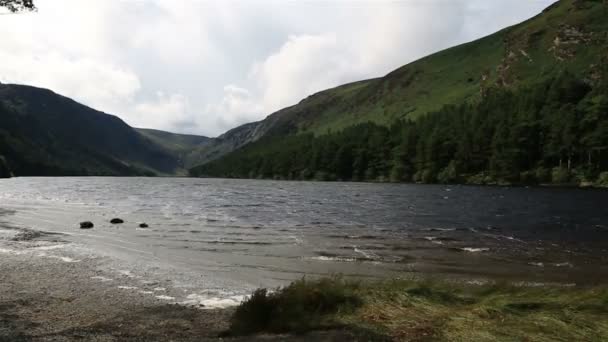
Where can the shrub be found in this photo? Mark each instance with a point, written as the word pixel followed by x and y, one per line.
pixel 449 174
pixel 602 180
pixel 543 175
pixel 560 175
pixel 300 307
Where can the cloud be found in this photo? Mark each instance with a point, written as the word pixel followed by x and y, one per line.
pixel 168 111
pixel 205 66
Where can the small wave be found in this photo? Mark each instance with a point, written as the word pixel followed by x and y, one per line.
pixel 257 243
pixel 297 239
pixel 355 237
pixel 62 258
pixel 127 288
pixel 102 279
pixel 537 264
pixel 165 297
pixel 433 239
pixel 474 250
pixel 49 248
pixel 338 259
pixel 563 264
pixel 439 229
pixel 366 254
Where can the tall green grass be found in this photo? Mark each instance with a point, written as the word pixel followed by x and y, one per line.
pixel 429 311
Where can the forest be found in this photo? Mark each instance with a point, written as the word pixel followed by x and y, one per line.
pixel 552 132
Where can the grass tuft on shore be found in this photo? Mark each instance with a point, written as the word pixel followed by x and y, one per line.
pixel 407 310
pixel 302 306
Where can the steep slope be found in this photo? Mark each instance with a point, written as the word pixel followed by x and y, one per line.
pixel 184 146
pixel 570 35
pixel 43 133
pixel 565 47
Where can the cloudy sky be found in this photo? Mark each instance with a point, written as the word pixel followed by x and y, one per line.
pixel 204 66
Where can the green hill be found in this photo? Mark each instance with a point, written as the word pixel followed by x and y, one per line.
pixel 46 134
pixel 394 127
pixel 569 35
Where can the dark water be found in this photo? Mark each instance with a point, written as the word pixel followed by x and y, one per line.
pixel 240 233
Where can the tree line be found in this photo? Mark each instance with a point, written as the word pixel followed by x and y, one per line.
pixel 555 131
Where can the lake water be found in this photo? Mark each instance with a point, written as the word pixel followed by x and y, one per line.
pixel 235 235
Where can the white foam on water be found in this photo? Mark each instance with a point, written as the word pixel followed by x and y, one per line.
pixel 213 302
pixel 49 248
pixel 338 259
pixel 563 264
pixel 160 289
pixel 537 264
pixel 366 254
pixel 65 259
pixel 297 239
pixel 475 250
pixel 165 297
pixel 102 279
pixel 433 239
pixel 146 292
pixel 11 251
pixel 127 287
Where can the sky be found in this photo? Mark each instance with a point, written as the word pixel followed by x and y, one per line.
pixel 205 66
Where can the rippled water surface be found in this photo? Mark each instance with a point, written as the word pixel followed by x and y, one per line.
pixel 242 234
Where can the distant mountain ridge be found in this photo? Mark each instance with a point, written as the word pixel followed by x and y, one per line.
pixel 46 134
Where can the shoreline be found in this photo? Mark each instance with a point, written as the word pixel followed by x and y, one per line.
pixel 49 298
pixel 581 186
pixel 71 297
pixel 45 296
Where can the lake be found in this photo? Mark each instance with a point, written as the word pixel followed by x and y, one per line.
pixel 230 236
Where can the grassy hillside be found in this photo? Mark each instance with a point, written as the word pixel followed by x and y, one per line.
pixel 524 105
pixel 44 134
pixel 569 35
pixel 173 141
pixel 185 147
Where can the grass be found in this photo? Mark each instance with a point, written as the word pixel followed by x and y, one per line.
pixel 429 311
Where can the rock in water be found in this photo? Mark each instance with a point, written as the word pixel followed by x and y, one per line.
pixel 143 225
pixel 86 225
pixel 117 221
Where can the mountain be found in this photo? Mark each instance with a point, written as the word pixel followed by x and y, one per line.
pixel 533 77
pixel 184 146
pixel 46 134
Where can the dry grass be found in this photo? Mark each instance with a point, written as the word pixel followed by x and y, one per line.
pixel 430 311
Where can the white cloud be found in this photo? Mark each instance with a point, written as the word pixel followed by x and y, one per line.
pixel 205 66
pixel 168 111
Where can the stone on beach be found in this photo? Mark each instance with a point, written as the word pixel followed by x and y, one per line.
pixel 117 221
pixel 86 225
pixel 143 225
